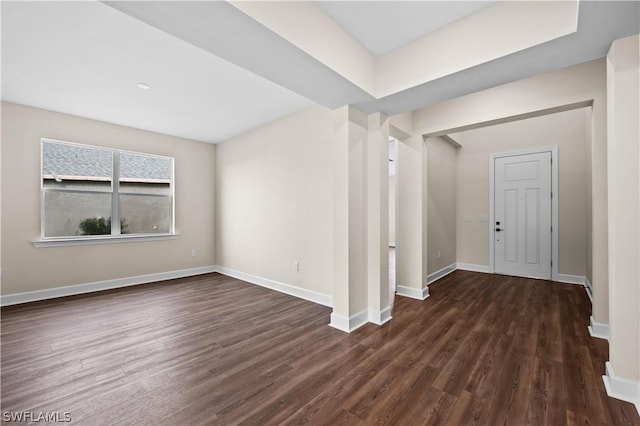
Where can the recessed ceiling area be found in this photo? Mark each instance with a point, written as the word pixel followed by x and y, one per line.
pixel 217 69
pixel 383 26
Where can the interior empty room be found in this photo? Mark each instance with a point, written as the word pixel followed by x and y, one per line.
pixel 320 212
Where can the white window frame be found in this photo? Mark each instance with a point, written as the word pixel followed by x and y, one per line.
pixel 115 236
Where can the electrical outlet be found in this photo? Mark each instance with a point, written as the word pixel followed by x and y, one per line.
pixel 296 266
pixel 438 254
pixel 193 252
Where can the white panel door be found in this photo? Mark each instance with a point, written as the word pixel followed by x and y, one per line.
pixel 522 214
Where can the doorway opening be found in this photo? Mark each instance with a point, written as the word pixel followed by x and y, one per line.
pixel 524 213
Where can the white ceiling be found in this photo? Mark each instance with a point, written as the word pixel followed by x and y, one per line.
pixel 215 72
pixel 383 26
pixel 85 58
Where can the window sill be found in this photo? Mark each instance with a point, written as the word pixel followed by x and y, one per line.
pixel 108 239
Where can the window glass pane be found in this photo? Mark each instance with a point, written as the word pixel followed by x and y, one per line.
pixel 148 188
pixel 144 168
pixel 70 214
pixel 78 189
pixel 76 167
pixel 145 214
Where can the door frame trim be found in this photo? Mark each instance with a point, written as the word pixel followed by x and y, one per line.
pixel 554 203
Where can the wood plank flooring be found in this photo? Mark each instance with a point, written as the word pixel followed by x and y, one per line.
pixel 481 350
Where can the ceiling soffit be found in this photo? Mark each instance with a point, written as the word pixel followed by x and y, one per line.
pixel 294 44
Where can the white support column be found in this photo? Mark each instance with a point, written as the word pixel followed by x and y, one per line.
pixel 411 241
pixel 622 378
pixel 349 220
pixel 378 218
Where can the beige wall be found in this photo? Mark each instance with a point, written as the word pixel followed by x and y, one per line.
pixel 567 131
pixel 392 210
pixel 274 198
pixel 349 231
pixel 411 217
pixel 514 26
pixel 1 179
pixel 588 124
pixel 441 204
pixel 377 217
pixel 623 84
pixel 26 268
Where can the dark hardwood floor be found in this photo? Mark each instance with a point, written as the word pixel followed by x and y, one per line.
pixel 482 350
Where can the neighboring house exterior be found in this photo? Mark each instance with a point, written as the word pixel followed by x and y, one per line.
pixel 77 185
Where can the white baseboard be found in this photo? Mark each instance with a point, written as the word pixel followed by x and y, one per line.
pixel 380 317
pixel 598 329
pixel 588 289
pixel 563 278
pixel 441 273
pixel 349 324
pixel 473 268
pixel 587 283
pixel 310 295
pixel 414 293
pixel 32 296
pixel 571 279
pixel 620 388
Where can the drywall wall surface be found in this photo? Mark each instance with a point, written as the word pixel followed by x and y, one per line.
pixel 0 207
pixel 310 29
pixel 588 124
pixel 441 204
pixel 584 82
pixel 356 147
pixel 623 91
pixel 565 130
pixel 392 211
pixel 514 26
pixel 401 125
pixel 411 217
pixel 274 198
pixel 377 216
pixel 26 268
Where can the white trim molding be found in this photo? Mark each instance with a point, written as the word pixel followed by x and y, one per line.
pixel 588 288
pixel 473 268
pixel 107 239
pixel 302 293
pixel 435 276
pixel 571 279
pixel 349 324
pixel 381 317
pixel 598 329
pixel 413 293
pixel 51 293
pixel 620 388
